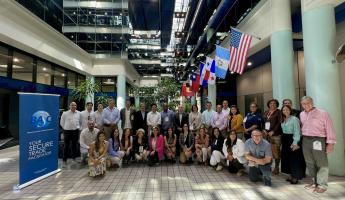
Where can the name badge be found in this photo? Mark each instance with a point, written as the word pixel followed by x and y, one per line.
pixel 141 149
pixel 191 127
pixel 244 120
pixel 166 119
pixel 267 125
pixel 317 145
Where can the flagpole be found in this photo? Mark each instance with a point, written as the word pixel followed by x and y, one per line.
pixel 254 36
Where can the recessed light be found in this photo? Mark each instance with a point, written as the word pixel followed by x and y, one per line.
pixel 249 64
pixel 44 69
pixel 232 72
pixel 63 75
pixel 15 60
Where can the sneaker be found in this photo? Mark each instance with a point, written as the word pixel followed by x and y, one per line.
pixel 240 172
pixel 219 168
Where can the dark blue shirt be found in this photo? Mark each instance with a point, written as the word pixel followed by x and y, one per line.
pixel 253 119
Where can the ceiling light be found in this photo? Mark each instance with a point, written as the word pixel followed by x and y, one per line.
pixel 63 75
pixel 105 13
pixel 15 60
pixel 232 72
pixel 44 69
pixel 249 64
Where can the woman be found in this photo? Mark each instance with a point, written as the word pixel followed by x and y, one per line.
pixel 201 146
pixel 114 154
pixel 292 157
pixel 187 142
pixel 140 146
pixel 236 122
pixel 233 150
pixel 98 154
pixel 126 145
pixel 252 121
pixel 273 131
pixel 156 147
pixel 170 145
pixel 216 149
pixel 194 120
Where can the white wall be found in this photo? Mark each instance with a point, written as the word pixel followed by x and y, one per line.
pixel 259 81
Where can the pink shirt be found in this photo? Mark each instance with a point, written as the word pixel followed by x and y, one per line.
pixel 318 123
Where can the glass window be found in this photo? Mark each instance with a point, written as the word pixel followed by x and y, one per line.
pixel 59 77
pixel 3 61
pixel 72 79
pixel 22 67
pixel 80 79
pixel 44 72
pixel 108 84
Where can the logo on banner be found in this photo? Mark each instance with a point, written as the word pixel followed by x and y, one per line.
pixel 41 119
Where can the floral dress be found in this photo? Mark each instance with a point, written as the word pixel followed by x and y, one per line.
pixel 99 168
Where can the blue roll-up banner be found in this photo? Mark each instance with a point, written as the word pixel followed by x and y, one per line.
pixel 38 137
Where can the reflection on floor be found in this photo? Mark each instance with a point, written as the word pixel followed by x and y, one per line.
pixel 167 181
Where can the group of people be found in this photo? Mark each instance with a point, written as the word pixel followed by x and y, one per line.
pixel 250 144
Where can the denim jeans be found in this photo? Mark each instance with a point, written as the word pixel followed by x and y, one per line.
pixel 264 170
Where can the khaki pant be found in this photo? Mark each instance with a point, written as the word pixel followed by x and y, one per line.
pixel 109 130
pixel 316 160
pixel 185 155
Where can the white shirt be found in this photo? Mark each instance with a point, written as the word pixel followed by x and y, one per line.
pixel 238 151
pixel 153 118
pixel 85 116
pixel 97 118
pixel 70 120
pixel 86 138
pixel 207 117
pixel 226 111
pixel 128 119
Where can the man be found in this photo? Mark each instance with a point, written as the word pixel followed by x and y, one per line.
pixel 220 120
pixel 140 118
pixel 226 109
pixel 85 115
pixel 97 117
pixel 207 117
pixel 127 116
pixel 87 136
pixel 181 118
pixel 111 116
pixel 70 123
pixel 295 112
pixel 167 119
pixel 153 119
pixel 258 152
pixel 318 141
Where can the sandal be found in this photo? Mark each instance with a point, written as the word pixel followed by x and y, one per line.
pixel 319 190
pixel 310 186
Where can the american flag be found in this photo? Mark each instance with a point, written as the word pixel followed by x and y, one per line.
pixel 239 46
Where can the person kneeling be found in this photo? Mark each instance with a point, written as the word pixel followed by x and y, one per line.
pixel 156 147
pixel 114 154
pixel 98 155
pixel 233 150
pixel 258 152
pixel 140 146
pixel 187 142
pixel 216 149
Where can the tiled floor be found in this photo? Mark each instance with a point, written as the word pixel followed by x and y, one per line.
pixel 167 181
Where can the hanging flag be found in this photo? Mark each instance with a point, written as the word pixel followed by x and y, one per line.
pixel 185 91
pixel 204 75
pixel 239 46
pixel 195 78
pixel 222 61
pixel 211 68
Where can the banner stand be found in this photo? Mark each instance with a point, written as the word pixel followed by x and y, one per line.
pixel 38 137
pixel 19 187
